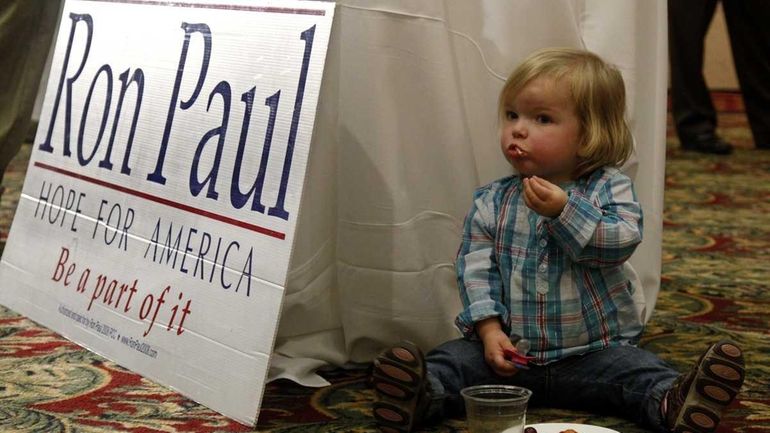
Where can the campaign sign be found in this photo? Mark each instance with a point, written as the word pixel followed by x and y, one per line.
pixel 159 209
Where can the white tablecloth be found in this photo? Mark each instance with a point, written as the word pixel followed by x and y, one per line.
pixel 406 130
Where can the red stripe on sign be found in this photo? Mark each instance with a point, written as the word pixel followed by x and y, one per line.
pixel 164 201
pixel 266 9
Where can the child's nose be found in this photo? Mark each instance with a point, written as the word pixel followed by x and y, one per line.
pixel 519 130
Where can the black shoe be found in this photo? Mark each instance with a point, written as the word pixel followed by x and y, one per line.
pixel 713 145
pixel 697 400
pixel 401 387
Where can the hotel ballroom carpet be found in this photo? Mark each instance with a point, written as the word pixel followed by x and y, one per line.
pixel 716 283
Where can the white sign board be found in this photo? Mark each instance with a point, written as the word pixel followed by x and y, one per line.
pixel 160 204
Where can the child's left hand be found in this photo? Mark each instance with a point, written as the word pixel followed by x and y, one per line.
pixel 544 197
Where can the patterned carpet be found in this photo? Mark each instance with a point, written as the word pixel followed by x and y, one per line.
pixel 716 252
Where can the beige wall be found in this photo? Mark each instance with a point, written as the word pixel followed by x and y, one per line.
pixel 718 62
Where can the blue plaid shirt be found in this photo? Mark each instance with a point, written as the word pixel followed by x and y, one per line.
pixel 562 283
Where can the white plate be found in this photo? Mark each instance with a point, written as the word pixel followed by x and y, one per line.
pixel 580 428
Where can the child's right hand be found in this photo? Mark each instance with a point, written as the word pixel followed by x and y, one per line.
pixel 496 342
pixel 544 197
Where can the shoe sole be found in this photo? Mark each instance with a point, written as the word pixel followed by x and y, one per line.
pixel 718 379
pixel 398 378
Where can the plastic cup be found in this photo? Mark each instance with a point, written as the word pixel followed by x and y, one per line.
pixel 496 408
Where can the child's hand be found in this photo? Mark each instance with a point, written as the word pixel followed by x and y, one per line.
pixel 544 197
pixel 496 342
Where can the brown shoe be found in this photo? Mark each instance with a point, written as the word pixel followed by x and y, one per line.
pixel 696 400
pixel 399 381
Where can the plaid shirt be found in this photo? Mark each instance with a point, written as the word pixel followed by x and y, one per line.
pixel 563 283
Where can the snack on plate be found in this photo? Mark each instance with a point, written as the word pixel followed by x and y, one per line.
pixel 533 430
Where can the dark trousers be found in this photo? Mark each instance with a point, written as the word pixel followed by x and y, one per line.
pixel 26 31
pixel 626 381
pixel 747 24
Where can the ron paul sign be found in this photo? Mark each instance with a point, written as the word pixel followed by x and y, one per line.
pixel 159 209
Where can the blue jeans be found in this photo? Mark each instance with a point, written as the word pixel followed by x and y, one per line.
pixel 626 381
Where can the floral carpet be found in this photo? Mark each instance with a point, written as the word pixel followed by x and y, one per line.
pixel 716 254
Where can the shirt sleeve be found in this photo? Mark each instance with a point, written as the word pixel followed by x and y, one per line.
pixel 478 275
pixel 603 231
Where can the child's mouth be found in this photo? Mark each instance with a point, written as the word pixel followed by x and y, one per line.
pixel 515 151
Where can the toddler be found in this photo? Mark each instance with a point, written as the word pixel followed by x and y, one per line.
pixel 544 257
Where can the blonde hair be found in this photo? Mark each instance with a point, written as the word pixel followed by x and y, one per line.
pixel 599 96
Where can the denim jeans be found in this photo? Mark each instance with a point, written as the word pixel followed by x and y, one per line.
pixel 624 381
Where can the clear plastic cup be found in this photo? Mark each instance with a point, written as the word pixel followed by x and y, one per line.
pixel 496 408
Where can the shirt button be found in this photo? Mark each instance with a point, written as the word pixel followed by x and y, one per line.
pixel 543 243
pixel 542 268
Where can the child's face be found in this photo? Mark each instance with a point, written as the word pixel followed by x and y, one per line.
pixel 540 134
